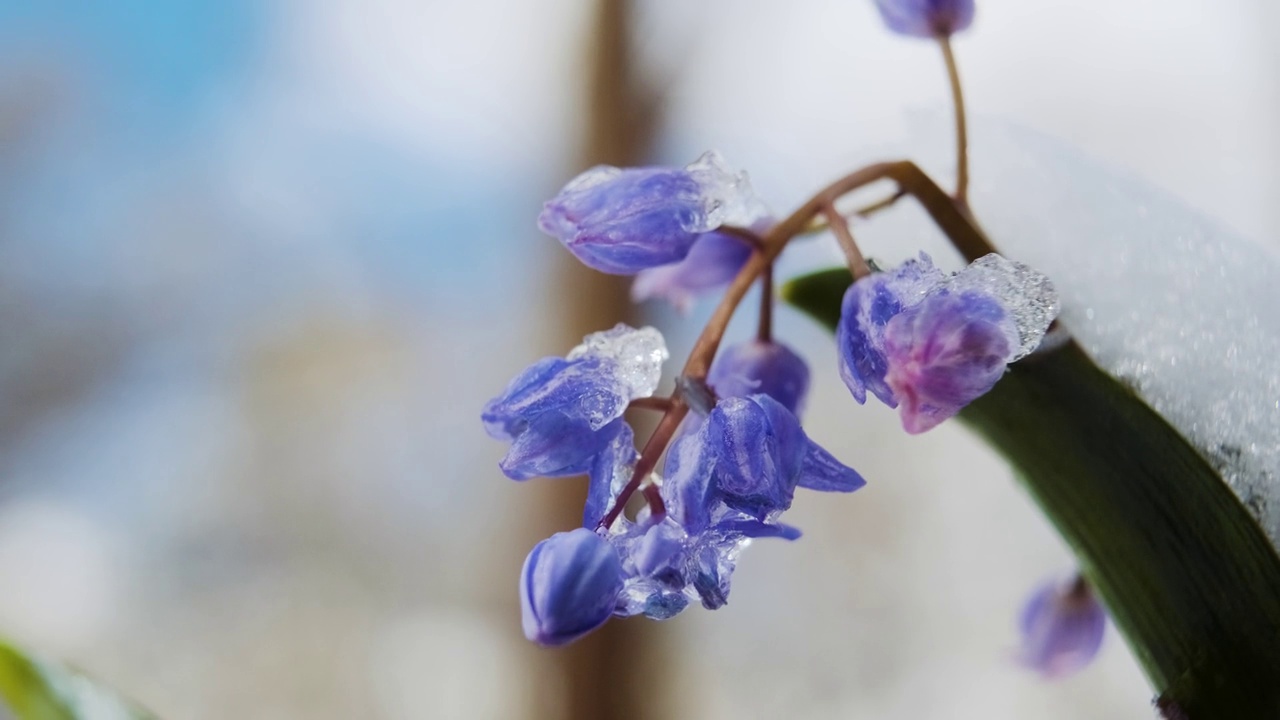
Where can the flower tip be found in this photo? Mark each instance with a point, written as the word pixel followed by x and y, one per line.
pixel 569 586
pixel 1062 627
pixel 927 19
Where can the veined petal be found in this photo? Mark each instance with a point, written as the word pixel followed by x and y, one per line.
pixel 568 587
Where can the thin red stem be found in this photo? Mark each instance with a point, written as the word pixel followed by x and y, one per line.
pixel 650 403
pixel 840 227
pixel 951 216
pixel 653 496
pixel 962 124
pixel 775 240
pixel 750 236
pixel 648 458
pixel 867 211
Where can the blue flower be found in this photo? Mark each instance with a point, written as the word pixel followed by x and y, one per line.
pixel 562 414
pixel 757 366
pixel 926 18
pixel 610 470
pixel 727 482
pixel 930 344
pixel 741 467
pixel 944 352
pixel 868 306
pixel 569 586
pixel 622 221
pixel 1062 626
pixel 713 261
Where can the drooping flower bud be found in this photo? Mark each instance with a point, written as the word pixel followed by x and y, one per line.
pixel 931 344
pixel 768 368
pixel 569 586
pixel 561 413
pixel 926 18
pixel 622 221
pixel 748 457
pixel 713 261
pixel 945 352
pixel 760 449
pixel 1062 626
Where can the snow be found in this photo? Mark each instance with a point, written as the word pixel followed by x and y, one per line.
pixel 1178 307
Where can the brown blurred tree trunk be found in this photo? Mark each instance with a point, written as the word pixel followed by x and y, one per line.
pixel 604 672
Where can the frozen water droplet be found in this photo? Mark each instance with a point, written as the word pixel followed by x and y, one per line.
pixel 638 353
pixel 1026 293
pixel 728 198
pixel 592 177
pixel 1145 282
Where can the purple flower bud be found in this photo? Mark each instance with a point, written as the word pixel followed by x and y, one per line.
pixel 945 352
pixel 769 368
pixel 569 586
pixel 622 221
pixel 561 413
pixel 1062 626
pixel 742 464
pixel 760 449
pixel 930 343
pixel 868 306
pixel 926 18
pixel 713 261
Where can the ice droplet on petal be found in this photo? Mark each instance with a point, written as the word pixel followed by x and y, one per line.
pixel 598 175
pixel 1025 293
pixel 638 353
pixel 728 198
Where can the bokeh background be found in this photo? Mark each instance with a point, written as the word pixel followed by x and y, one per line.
pixel 262 261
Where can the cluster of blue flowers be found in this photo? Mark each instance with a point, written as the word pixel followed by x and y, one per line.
pixel 729 475
pixel 915 337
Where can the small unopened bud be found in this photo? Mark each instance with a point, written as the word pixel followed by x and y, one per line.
pixel 569 586
pixel 1062 628
pixel 769 368
pixel 926 18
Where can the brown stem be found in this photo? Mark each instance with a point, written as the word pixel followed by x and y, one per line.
pixel 648 458
pixel 764 332
pixel 962 126
pixel 775 240
pixel 840 226
pixel 653 496
pixel 950 215
pixel 750 236
pixel 867 211
pixel 650 403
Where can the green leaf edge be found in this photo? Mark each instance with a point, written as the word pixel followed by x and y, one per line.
pixel 37 689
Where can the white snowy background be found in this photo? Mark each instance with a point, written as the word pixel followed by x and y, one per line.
pixel 261 263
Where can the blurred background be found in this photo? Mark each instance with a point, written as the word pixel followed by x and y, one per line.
pixel 262 262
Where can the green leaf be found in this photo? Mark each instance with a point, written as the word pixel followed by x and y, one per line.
pixel 1186 572
pixel 819 294
pixel 39 689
